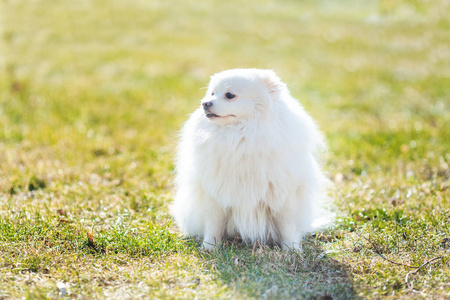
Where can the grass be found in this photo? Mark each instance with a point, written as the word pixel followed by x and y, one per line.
pixel 92 96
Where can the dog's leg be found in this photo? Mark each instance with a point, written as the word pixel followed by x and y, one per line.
pixel 214 227
pixel 296 218
pixel 290 238
pixel 289 225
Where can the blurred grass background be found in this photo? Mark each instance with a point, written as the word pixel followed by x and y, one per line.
pixel 93 94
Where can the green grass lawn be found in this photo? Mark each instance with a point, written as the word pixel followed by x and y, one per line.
pixel 92 94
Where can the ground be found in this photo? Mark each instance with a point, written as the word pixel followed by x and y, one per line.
pixel 93 93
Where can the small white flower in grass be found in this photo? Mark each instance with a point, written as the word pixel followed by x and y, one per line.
pixel 63 288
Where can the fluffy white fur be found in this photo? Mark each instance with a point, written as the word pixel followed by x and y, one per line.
pixel 247 166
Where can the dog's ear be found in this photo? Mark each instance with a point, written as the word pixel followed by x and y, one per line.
pixel 273 82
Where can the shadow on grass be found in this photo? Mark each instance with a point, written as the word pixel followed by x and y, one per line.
pixel 270 273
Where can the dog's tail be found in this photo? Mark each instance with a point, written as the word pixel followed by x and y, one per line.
pixel 324 210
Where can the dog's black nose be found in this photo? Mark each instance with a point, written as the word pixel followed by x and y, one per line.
pixel 207 104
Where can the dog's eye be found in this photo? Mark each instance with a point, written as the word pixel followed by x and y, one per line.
pixel 212 94
pixel 229 95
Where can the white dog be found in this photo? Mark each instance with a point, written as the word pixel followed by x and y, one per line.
pixel 246 163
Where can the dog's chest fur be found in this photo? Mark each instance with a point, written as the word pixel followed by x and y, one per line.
pixel 250 181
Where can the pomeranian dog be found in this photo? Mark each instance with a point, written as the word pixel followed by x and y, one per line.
pixel 246 164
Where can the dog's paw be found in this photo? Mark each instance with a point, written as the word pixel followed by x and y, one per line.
pixel 209 246
pixel 211 243
pixel 294 247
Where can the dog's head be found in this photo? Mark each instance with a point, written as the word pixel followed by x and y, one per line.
pixel 237 95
